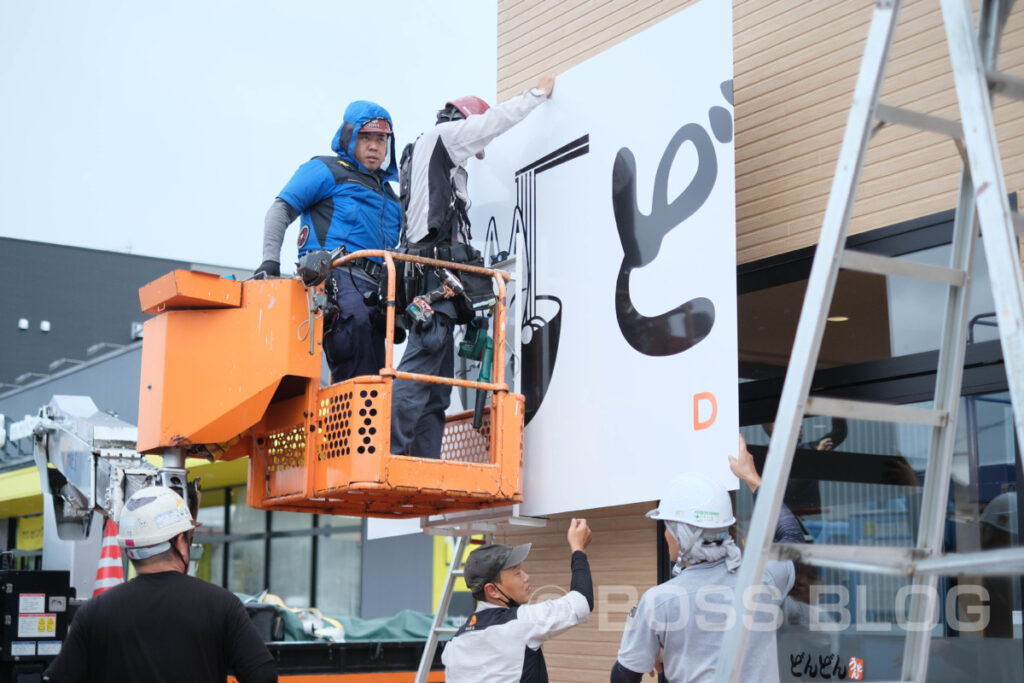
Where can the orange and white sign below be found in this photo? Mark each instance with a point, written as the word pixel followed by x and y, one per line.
pixel 37 625
pixel 856 669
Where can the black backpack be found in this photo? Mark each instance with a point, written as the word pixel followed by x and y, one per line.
pixel 404 182
pixel 411 280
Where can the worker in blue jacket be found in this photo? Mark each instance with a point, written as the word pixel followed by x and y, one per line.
pixel 345 200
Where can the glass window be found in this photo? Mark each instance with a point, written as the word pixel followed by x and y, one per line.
pixel 210 535
pixel 916 307
pixel 862 485
pixel 290 521
pixel 291 569
pixel 246 557
pixel 244 519
pixel 236 542
pixel 291 558
pixel 339 566
pixel 872 317
pixel 245 567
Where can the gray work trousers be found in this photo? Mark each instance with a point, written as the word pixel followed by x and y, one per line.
pixel 417 408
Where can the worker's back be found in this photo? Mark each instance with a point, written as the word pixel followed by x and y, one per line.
pixel 165 626
pixel 687 617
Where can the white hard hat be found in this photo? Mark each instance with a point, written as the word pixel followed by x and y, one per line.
pixel 698 500
pixel 1001 512
pixel 150 519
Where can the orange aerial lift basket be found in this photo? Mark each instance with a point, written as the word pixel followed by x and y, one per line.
pixel 232 369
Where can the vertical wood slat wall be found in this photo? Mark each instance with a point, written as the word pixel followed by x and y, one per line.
pixel 622 558
pixel 795 66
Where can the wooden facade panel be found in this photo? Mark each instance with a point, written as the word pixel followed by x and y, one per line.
pixel 789 128
pixel 623 561
pixel 536 37
pixel 525 29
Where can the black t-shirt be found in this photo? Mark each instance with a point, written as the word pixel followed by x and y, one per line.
pixel 162 628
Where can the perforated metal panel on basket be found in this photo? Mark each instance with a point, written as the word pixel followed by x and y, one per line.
pixel 286 449
pixel 348 422
pixel 463 443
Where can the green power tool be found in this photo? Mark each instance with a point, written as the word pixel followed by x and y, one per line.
pixel 477 344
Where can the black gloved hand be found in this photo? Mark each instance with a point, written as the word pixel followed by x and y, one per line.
pixel 268 269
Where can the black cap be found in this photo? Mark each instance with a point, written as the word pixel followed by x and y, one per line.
pixel 485 563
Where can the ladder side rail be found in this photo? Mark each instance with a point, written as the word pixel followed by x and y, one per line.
pixel 948 383
pixel 999 240
pixel 454 571
pixel 810 330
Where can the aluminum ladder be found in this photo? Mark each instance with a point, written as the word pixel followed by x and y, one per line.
pixel 437 628
pixel 982 193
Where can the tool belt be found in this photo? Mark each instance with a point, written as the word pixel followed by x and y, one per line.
pixel 479 289
pixel 366 269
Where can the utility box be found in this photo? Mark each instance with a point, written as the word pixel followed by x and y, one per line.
pixel 33 622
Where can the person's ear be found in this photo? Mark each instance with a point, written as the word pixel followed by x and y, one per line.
pixel 185 543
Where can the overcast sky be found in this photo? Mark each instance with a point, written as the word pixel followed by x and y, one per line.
pixel 167 129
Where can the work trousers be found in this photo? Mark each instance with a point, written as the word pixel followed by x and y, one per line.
pixel 354 347
pixel 418 408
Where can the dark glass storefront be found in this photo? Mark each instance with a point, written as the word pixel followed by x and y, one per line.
pixel 857 482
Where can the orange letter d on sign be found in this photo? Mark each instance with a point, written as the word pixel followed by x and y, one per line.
pixel 708 397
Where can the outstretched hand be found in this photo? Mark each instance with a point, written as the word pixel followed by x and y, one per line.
pixel 547 84
pixel 579 534
pixel 742 465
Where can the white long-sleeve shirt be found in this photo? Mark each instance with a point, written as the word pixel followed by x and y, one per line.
pixel 503 644
pixel 440 156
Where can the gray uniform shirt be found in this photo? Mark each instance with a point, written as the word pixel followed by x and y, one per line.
pixel 687 617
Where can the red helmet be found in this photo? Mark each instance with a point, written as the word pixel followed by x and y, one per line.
pixel 469 105
pixel 376 126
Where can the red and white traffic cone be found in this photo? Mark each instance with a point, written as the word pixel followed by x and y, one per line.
pixel 111 571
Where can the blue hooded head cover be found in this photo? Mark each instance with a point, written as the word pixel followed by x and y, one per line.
pixel 344 142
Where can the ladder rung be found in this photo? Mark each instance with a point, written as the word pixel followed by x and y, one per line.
pixel 446 630
pixel 458 572
pixel 886 265
pixel 914 119
pixel 877 412
pixel 1005 84
pixel 902 561
pixel 874 559
pixel 1000 562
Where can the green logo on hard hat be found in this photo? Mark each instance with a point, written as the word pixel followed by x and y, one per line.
pixel 705 515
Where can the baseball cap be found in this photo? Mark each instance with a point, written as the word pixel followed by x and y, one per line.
pixel 376 126
pixel 485 563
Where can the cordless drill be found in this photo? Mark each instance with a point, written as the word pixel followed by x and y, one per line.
pixel 421 309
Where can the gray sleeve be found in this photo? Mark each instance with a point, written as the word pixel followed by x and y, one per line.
pixel 641 643
pixel 279 216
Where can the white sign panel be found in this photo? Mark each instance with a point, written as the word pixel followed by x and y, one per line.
pixel 23 648
pixel 32 602
pixel 622 186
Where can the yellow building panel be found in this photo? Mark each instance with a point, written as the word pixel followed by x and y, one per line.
pixel 20 492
